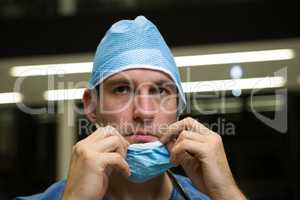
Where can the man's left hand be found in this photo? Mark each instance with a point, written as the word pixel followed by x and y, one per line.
pixel 201 153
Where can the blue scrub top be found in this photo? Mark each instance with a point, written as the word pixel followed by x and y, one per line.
pixel 55 191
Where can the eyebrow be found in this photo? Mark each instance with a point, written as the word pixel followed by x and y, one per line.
pixel 110 82
pixel 167 83
pixel 122 80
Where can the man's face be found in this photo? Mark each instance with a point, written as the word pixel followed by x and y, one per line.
pixel 139 103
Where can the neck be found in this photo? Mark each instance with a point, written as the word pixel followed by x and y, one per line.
pixel 120 187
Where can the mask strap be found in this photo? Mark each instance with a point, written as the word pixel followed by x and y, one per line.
pixel 177 185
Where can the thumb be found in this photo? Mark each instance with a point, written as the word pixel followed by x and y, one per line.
pixel 171 144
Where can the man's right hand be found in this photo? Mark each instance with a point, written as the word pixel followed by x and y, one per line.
pixel 93 159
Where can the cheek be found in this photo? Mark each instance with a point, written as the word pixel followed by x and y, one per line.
pixel 114 114
pixel 115 105
pixel 168 105
pixel 168 111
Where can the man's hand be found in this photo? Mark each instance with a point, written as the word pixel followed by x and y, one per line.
pixel 93 160
pixel 201 153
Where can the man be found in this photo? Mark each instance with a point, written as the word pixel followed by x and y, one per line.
pixel 135 98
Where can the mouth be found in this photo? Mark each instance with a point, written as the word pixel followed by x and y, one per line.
pixel 141 137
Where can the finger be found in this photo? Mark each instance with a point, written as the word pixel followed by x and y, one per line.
pixel 171 144
pixel 191 136
pixel 172 132
pixel 108 131
pixel 110 144
pixel 113 161
pixel 181 158
pixel 114 131
pixel 186 124
pixel 100 133
pixel 103 132
pixel 107 139
pixel 196 126
pixel 97 125
pixel 186 146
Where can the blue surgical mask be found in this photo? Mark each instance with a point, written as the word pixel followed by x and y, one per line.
pixel 147 160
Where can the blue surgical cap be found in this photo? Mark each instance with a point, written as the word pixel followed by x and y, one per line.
pixel 133 44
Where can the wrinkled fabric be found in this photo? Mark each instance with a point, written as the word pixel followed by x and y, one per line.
pixel 132 44
pixel 55 191
pixel 147 160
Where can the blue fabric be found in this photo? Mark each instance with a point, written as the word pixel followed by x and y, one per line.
pixel 147 160
pixel 130 44
pixel 55 191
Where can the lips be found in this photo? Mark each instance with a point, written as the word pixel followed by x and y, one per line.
pixel 141 137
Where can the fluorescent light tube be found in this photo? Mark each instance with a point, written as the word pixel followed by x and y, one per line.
pixel 53 69
pixel 10 97
pixel 235 57
pixel 181 61
pixel 232 84
pixel 63 94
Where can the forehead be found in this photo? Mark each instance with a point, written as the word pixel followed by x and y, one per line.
pixel 139 76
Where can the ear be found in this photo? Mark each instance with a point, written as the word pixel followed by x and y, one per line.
pixel 89 103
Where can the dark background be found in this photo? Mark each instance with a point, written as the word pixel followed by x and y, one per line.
pixel 264 161
pixel 39 29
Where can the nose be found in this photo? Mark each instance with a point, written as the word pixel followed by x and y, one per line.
pixel 144 107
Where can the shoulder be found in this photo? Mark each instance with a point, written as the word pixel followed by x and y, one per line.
pixel 54 192
pixel 190 189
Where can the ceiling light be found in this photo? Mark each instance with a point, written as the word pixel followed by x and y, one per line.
pixel 10 97
pixel 181 61
pixel 63 94
pixel 233 84
pixel 53 69
pixel 235 57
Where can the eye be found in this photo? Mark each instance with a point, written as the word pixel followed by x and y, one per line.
pixel 121 90
pixel 162 90
pixel 158 91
